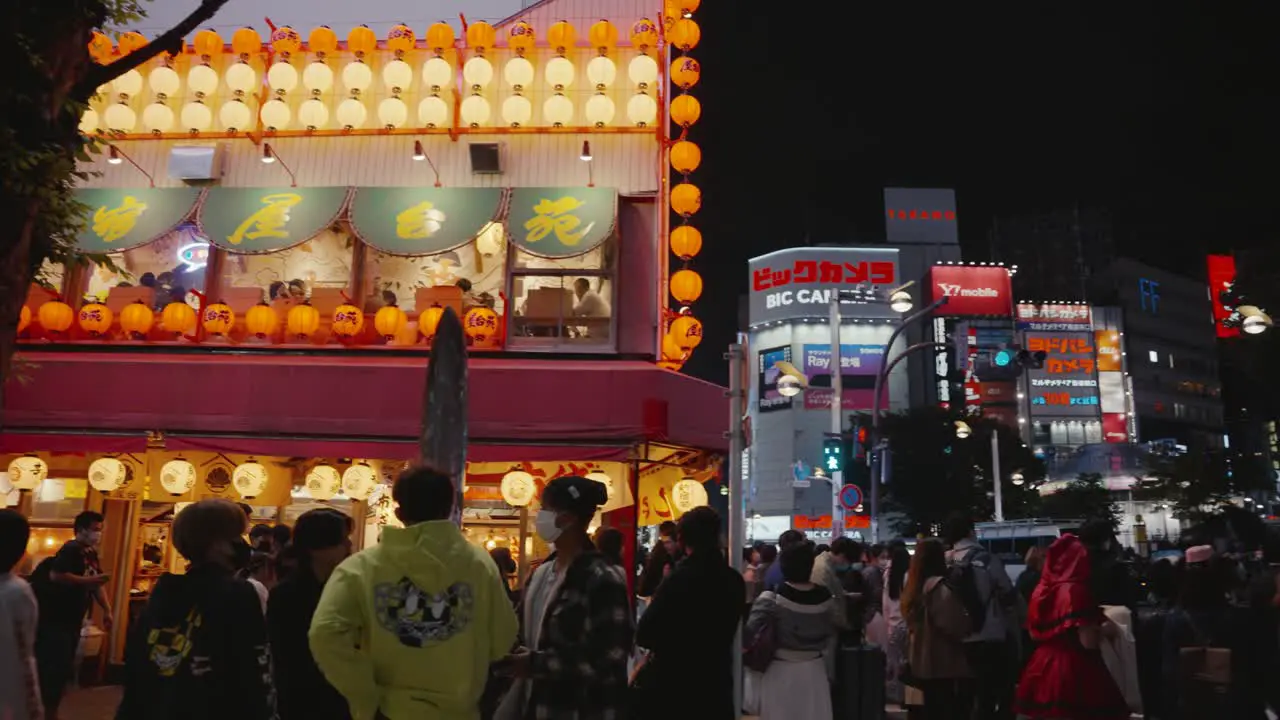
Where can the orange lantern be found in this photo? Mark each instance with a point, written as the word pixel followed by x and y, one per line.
pixel 685 157
pixel 24 318
pixel 686 330
pixel 401 39
pixel 348 321
pixel 686 199
pixel 100 48
pixel 130 42
pixel 178 318
pixel 261 321
pixel 481 36
pixel 685 110
pixel 481 325
pixel 405 336
pixel 322 41
pixel 440 37
pixel 361 40
pixel 644 34
pixel 429 320
pixel 302 321
pixel 685 34
pixel 685 72
pixel 285 40
pixel 136 319
pixel 218 319
pixel 389 321
pixel 95 319
pixel 686 241
pixel 603 36
pixel 671 350
pixel 562 37
pixel 687 7
pixel 56 316
pixel 686 286
pixel 245 42
pixel 208 44
pixel 521 37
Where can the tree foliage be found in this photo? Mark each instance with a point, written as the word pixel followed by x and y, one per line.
pixel 1198 483
pixel 933 473
pixel 1085 498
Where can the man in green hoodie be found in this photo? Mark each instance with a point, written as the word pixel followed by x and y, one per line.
pixel 409 627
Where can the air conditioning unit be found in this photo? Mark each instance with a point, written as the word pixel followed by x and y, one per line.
pixel 486 158
pixel 196 163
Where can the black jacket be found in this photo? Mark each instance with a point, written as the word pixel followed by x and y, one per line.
pixel 689 627
pixel 199 652
pixel 304 694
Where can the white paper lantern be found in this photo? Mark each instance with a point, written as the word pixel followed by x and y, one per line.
pixel 89 122
pixel 129 83
pixel 517 110
pixel 313 114
pixel 601 72
pixel 642 109
pixel 393 113
pixel 317 78
pixel 242 78
pixel 475 111
pixel 250 480
pixel 323 482
pixel 601 477
pixel 164 81
pixel 557 110
pixel 358 481
pixel 687 495
pixel 196 117
pixel 202 80
pixel 352 113
pixel 433 112
pixel 356 77
pixel 559 72
pixel 518 488
pixel 518 73
pixel 157 118
pixel 437 74
pixel 283 78
pixel 235 115
pixel 276 114
pixel 397 76
pixel 107 474
pixel 477 73
pixel 643 71
pixel 599 110
pixel 26 472
pixel 178 477
pixel 120 118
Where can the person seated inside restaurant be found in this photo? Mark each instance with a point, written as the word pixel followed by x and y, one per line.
pixel 470 298
pixel 589 302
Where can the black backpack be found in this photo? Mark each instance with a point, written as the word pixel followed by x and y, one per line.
pixel 963 579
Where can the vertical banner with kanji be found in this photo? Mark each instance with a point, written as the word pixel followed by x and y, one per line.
pixel 1067 385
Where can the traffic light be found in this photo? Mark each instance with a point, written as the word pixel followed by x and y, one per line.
pixel 1007 363
pixel 832 453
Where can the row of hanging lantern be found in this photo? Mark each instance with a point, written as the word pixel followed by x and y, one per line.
pixel 178 319
pixel 179 476
pixel 685 331
pixel 317 82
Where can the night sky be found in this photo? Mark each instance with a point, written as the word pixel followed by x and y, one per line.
pixel 1164 114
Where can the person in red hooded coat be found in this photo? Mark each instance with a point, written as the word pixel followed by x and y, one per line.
pixel 1066 677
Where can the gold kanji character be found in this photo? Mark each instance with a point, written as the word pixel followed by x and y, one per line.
pixel 269 221
pixel 420 221
pixel 111 224
pixel 556 216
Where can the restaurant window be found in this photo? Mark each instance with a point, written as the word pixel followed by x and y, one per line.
pixel 1153 356
pixel 170 267
pixel 473 272
pixel 564 301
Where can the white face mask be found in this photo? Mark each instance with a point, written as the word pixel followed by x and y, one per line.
pixel 93 538
pixel 545 525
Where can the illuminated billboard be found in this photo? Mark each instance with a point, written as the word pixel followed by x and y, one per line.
pixel 1067 385
pixel 1222 275
pixel 797 283
pixel 981 291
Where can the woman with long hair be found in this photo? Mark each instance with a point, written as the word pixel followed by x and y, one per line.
pixel 895 577
pixel 1066 676
pixel 937 625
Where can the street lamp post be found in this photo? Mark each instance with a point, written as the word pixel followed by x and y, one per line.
pixel 837 405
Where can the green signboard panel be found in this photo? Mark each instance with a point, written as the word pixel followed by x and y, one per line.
pixel 561 221
pixel 422 220
pixel 123 218
pixel 263 220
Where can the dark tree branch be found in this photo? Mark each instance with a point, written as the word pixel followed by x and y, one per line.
pixel 170 40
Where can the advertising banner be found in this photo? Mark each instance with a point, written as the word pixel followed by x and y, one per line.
pixel 920 215
pixel 1067 385
pixel 1107 343
pixel 1115 427
pixel 797 283
pixel 1222 275
pixel 859 365
pixel 1055 317
pixel 972 290
pixel 768 398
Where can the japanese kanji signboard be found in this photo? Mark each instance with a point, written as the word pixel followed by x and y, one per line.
pixel 1055 317
pixel 124 218
pixel 1067 385
pixel 797 283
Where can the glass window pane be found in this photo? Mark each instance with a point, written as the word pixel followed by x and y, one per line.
pixel 574 310
pixel 601 257
pixel 323 262
pixel 173 266
pixel 477 268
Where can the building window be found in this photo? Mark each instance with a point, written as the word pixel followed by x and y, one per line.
pixel 563 302
pixel 166 270
pixel 1153 356
pixel 465 277
pixel 1170 361
pixel 1179 410
pixel 1149 295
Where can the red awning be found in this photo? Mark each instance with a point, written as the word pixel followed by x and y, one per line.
pixel 392 450
pixel 72 442
pixel 365 402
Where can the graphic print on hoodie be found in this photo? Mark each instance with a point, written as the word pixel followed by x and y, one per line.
pixel 418 617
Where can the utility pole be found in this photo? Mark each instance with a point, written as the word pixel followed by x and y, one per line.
pixel 995 471
pixel 737 493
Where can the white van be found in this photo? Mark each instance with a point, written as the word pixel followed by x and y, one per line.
pixel 1010 540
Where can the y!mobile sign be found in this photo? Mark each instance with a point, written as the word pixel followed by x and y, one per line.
pixel 972 290
pixel 859 365
pixel 798 283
